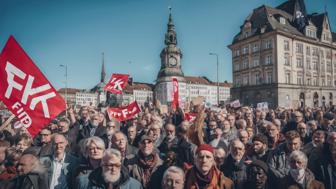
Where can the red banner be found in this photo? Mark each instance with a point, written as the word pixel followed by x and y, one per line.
pixel 25 90
pixel 124 113
pixel 175 102
pixel 117 83
pixel 190 116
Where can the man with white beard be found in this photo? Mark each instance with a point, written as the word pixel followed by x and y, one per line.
pixel 169 143
pixel 299 176
pixel 110 175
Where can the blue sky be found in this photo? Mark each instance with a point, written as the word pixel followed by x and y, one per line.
pixel 130 33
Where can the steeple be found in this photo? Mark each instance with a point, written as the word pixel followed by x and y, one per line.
pixel 170 38
pixel 103 73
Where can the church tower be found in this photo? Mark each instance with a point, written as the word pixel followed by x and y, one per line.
pixel 171 57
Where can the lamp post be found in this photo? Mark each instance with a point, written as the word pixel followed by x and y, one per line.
pixel 66 87
pixel 215 54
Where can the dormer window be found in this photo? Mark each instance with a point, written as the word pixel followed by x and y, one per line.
pixel 282 20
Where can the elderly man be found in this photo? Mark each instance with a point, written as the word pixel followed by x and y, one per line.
pixel 145 162
pixel 173 178
pixel 234 166
pixel 93 129
pixel 317 142
pixel 299 176
pixel 328 122
pixel 205 173
pixel 110 175
pixel 303 131
pixel 278 159
pixel 169 143
pixel 60 165
pixel 30 174
pixel 119 142
pixel 131 134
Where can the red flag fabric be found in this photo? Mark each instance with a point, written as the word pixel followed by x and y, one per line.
pixel 25 90
pixel 175 102
pixel 190 116
pixel 124 113
pixel 117 83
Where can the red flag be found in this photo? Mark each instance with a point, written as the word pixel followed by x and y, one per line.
pixel 25 90
pixel 190 116
pixel 117 83
pixel 124 113
pixel 175 102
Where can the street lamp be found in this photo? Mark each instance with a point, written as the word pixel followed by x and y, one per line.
pixel 215 54
pixel 66 87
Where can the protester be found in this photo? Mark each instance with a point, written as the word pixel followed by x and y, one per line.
pixel 61 165
pixel 111 174
pixel 299 176
pixel 173 178
pixel 257 176
pixel 205 173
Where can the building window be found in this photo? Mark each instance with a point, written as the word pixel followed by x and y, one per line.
pixel 246 80
pixel 287 59
pixel 329 68
pixel 286 45
pixel 245 50
pixel 268 44
pixel 282 20
pixel 269 77
pixel 329 82
pixel 299 48
pixel 236 67
pixel 314 64
pixel 268 59
pixel 308 81
pixel 308 50
pixel 256 62
pixel 308 64
pixel 315 51
pixel 245 63
pixel 315 81
pixel 299 79
pixel 328 55
pixel 255 47
pixel 287 78
pixel 299 63
pixel 323 82
pixel 257 78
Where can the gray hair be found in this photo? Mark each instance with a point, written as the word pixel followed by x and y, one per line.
pixel 87 142
pixel 172 169
pixel 298 155
pixel 119 132
pixel 112 152
pixel 234 141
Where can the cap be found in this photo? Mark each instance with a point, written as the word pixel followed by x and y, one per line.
pixel 206 147
pixel 261 138
pixel 260 164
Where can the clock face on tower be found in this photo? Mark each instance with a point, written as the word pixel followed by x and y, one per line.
pixel 172 61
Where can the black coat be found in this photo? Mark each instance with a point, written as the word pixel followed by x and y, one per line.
pixel 29 181
pixel 235 171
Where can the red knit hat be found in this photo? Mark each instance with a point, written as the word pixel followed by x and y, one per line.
pixel 206 147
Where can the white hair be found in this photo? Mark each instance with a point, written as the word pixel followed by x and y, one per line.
pixel 87 142
pixel 297 155
pixel 172 169
pixel 112 152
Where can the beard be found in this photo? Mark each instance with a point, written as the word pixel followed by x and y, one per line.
pixel 110 178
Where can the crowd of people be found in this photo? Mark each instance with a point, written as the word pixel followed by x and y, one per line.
pixel 223 148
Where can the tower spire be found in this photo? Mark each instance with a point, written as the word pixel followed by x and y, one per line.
pixel 103 73
pixel 170 38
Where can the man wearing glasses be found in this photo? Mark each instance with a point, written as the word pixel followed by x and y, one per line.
pixel 110 175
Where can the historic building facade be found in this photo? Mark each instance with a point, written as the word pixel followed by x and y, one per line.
pixel 285 57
